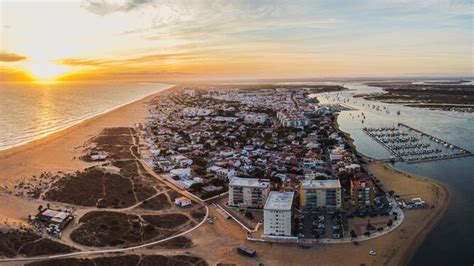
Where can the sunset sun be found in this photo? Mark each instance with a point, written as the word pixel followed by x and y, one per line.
pixel 46 71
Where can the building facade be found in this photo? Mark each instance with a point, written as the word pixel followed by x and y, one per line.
pixel 248 192
pixel 363 193
pixel 292 119
pixel 277 214
pixel 254 118
pixel 320 193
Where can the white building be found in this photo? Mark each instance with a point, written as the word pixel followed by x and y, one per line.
pixel 182 201
pixel 181 160
pixel 189 91
pixel 248 192
pixel 292 119
pixel 193 111
pixel 254 118
pixel 182 173
pixel 277 214
pixel 221 172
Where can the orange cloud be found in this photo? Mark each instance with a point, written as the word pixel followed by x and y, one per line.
pixel 11 57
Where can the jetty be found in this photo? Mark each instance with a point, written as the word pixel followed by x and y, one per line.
pixel 411 145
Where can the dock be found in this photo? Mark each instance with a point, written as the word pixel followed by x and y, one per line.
pixel 411 145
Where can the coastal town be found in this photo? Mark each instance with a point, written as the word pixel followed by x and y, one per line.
pixel 248 166
pixel 272 157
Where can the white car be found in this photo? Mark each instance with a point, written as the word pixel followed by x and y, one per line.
pixel 372 253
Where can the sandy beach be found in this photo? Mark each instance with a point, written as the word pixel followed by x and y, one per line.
pixel 216 243
pixel 59 151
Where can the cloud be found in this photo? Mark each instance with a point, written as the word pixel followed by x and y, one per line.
pixel 147 59
pixel 11 57
pixel 105 7
pixel 81 62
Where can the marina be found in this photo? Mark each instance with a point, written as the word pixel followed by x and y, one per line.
pixel 410 145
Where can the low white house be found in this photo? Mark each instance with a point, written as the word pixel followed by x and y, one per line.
pixel 182 160
pixel 221 172
pixel 190 91
pixel 182 173
pixel 182 201
pixel 166 166
pixel 98 157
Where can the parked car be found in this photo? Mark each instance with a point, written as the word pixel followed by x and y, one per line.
pixel 246 251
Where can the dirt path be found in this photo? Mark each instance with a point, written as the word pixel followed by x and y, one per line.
pixel 106 251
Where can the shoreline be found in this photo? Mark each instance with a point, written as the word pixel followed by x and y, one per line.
pixel 59 151
pixel 407 252
pixel 414 246
pixel 82 120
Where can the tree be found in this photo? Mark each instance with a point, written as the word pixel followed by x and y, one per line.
pixel 40 208
pixel 196 186
pixel 390 223
pixel 217 182
pixel 369 226
pixel 47 205
pixel 249 215
pixel 353 234
pixel 199 161
pixel 149 228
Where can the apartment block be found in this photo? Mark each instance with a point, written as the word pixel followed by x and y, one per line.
pixel 363 193
pixel 248 192
pixel 320 193
pixel 277 214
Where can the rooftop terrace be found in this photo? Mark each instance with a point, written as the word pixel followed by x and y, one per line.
pixel 279 201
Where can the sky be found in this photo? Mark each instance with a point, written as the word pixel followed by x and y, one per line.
pixel 152 40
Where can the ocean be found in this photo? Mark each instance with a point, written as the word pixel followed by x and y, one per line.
pixel 31 111
pixel 451 241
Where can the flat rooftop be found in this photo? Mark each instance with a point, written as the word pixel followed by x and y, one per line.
pixel 362 183
pixel 249 182
pixel 320 184
pixel 279 201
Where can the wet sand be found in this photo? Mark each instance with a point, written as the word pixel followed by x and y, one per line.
pixel 418 222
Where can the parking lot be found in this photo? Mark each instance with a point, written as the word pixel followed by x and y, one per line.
pixel 321 225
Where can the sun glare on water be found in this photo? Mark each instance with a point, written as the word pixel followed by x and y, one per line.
pixel 45 72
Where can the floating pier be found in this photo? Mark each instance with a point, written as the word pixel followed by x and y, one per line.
pixel 411 145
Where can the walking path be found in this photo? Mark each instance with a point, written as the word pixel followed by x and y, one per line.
pixel 105 251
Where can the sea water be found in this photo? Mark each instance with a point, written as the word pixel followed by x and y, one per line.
pixel 451 242
pixel 30 111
